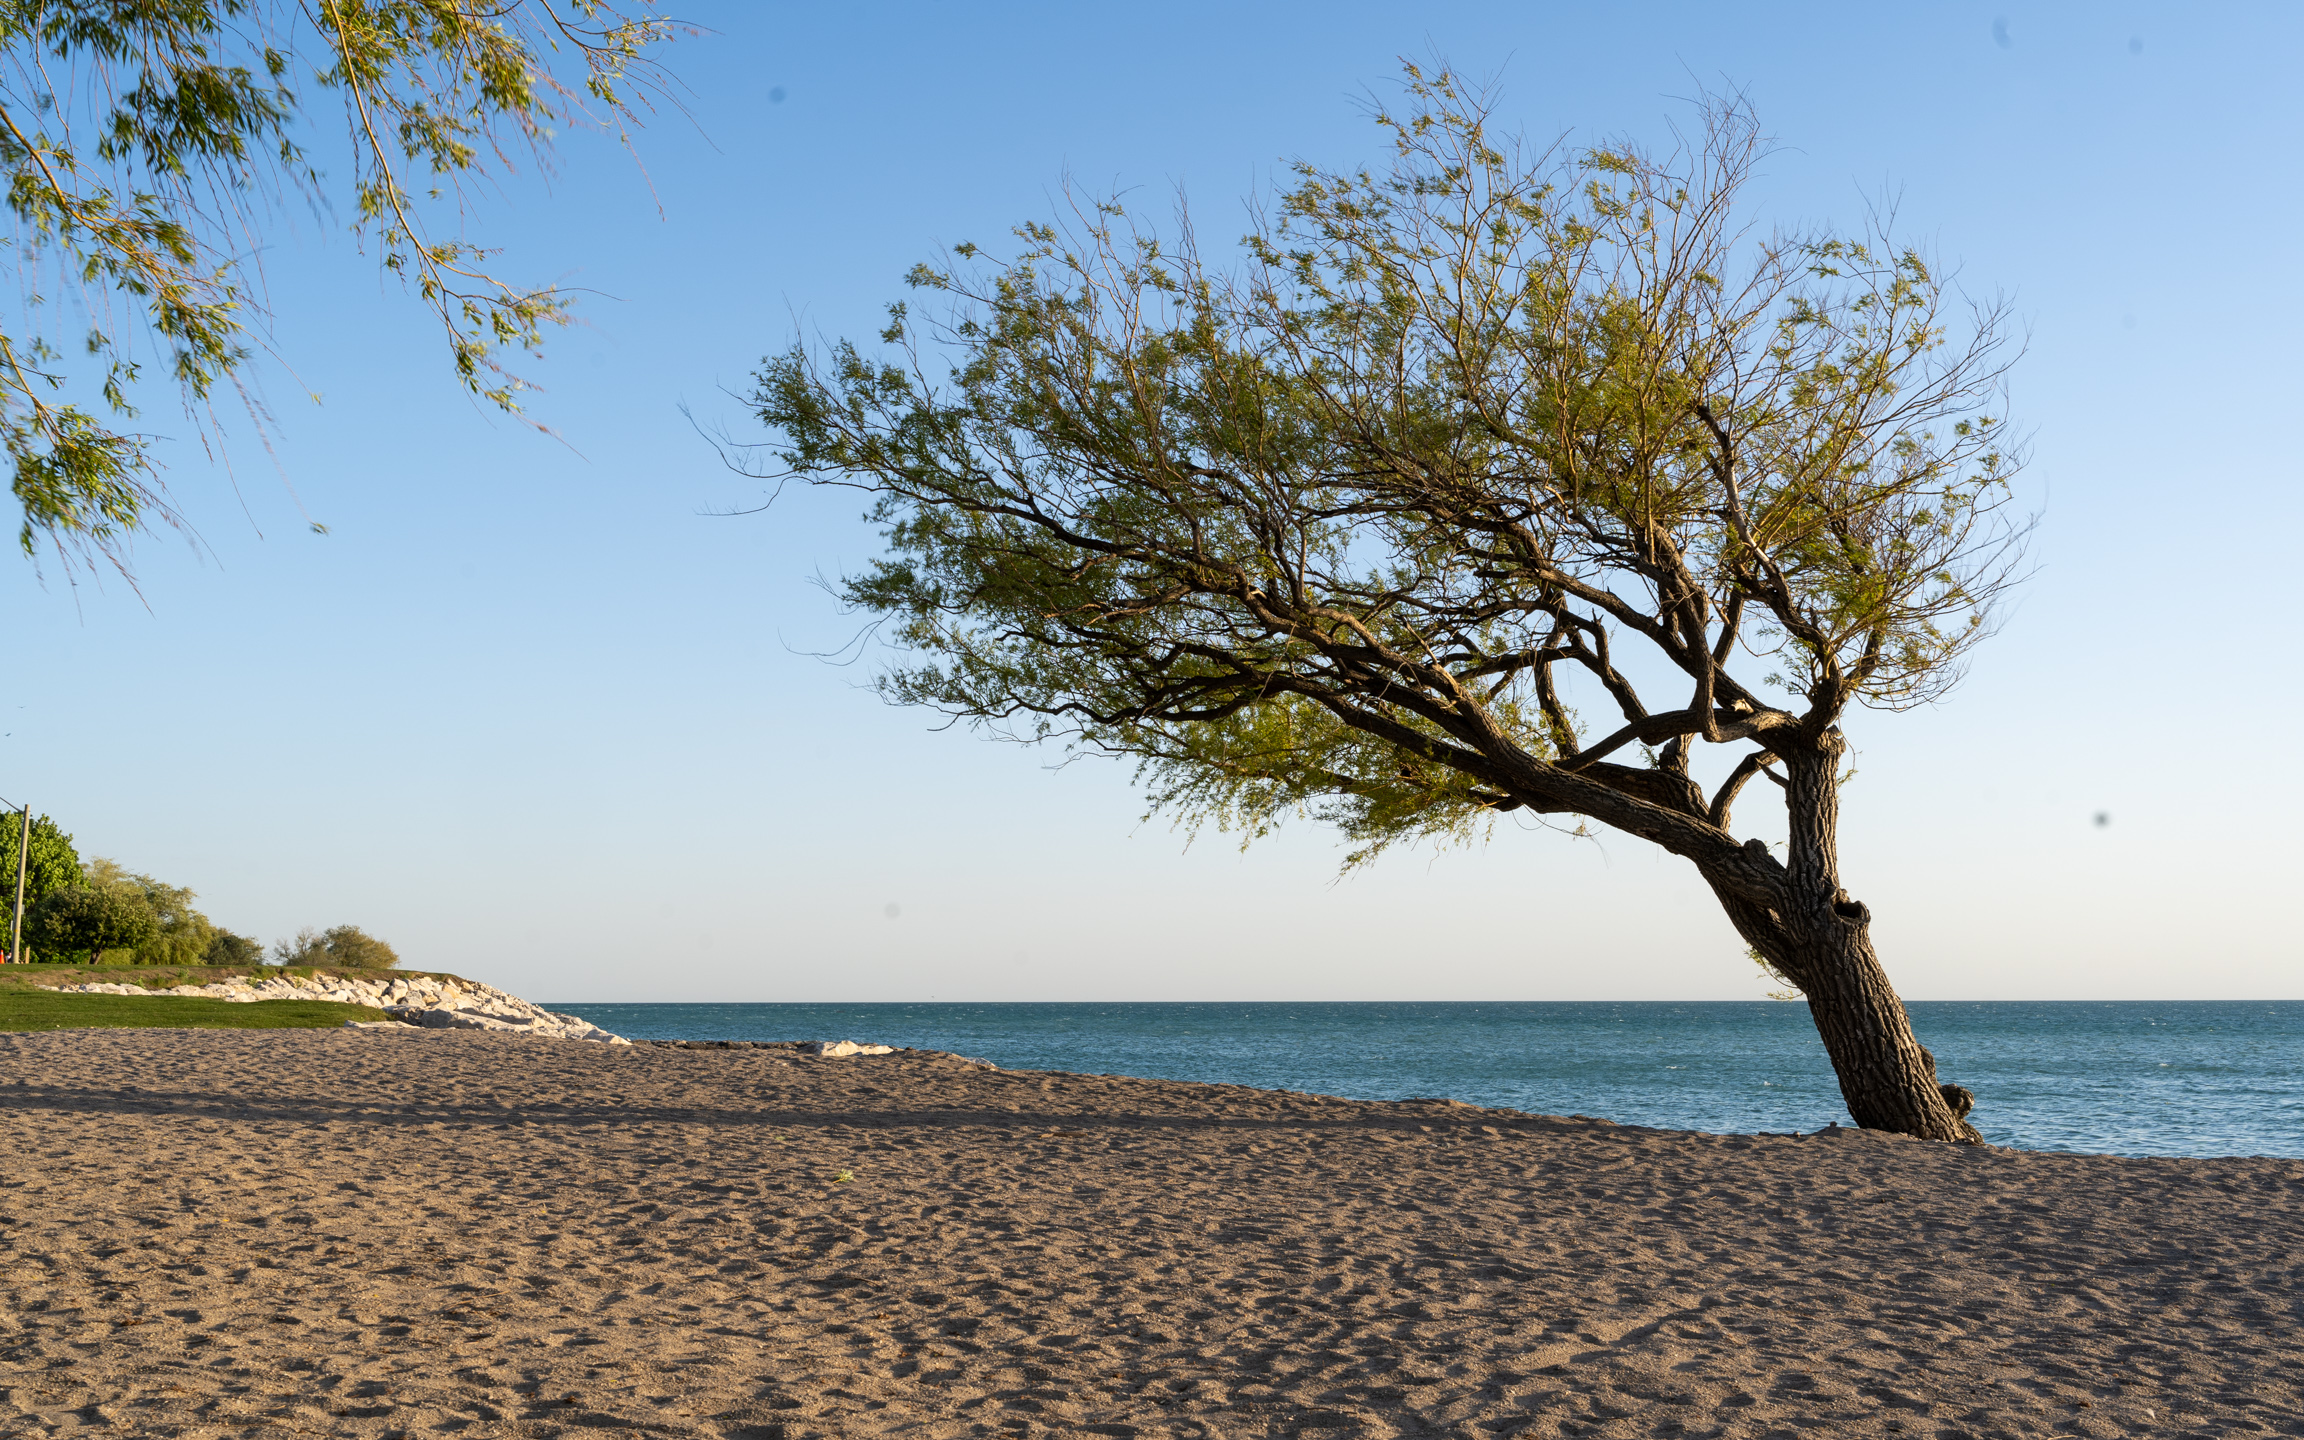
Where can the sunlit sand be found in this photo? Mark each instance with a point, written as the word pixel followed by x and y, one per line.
pixel 376 1233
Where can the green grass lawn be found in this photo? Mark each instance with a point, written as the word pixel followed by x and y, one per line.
pixel 160 977
pixel 30 1008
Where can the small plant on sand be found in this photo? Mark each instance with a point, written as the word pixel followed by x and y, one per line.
pixel 843 1177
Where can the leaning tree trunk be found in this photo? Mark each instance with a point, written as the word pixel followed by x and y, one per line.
pixel 1821 939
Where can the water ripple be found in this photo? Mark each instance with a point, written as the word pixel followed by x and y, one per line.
pixel 2119 1077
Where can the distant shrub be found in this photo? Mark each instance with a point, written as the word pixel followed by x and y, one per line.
pixel 87 920
pixel 344 947
pixel 228 949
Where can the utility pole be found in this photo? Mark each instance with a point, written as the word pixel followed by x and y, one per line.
pixel 23 855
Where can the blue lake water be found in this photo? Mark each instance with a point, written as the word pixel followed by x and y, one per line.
pixel 2117 1077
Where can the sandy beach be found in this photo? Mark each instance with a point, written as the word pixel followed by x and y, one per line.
pixel 370 1233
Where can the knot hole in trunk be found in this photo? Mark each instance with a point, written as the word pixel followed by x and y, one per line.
pixel 1855 910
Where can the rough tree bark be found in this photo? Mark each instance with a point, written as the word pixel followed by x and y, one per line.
pixel 1820 938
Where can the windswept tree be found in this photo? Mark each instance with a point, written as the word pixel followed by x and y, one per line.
pixel 150 148
pixel 1487 482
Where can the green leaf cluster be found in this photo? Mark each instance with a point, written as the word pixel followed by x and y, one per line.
pixel 87 921
pixel 51 866
pixel 149 146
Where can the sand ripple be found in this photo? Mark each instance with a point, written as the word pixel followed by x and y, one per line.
pixel 222 1233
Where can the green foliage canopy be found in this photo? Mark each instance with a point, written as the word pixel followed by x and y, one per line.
pixel 88 920
pixel 53 865
pixel 95 909
pixel 1493 480
pixel 1367 526
pixel 149 146
pixel 339 946
pixel 180 934
pixel 226 949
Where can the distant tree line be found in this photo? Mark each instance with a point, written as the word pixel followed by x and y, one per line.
pixel 97 912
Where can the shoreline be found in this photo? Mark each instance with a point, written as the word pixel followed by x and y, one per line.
pixel 2204 1078
pixel 402 999
pixel 385 1233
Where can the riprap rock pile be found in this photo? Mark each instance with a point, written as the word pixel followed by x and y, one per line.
pixel 425 1001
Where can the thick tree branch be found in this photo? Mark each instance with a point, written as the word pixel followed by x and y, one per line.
pixel 1725 797
pixel 1725 726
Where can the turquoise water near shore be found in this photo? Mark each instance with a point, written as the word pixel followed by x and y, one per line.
pixel 2118 1077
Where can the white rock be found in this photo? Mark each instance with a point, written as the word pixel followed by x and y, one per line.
pixel 437 1005
pixel 838 1049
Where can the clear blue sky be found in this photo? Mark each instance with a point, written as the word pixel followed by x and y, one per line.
pixel 530 713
